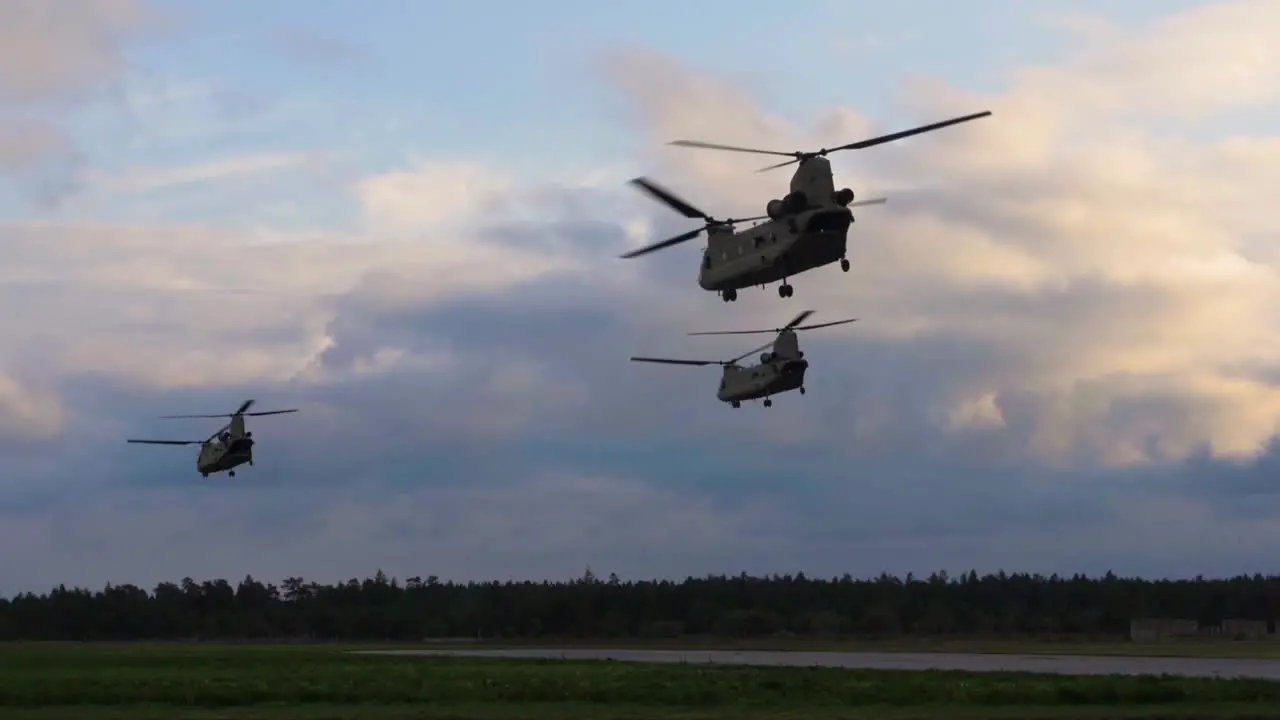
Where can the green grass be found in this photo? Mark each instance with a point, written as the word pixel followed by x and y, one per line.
pixel 240 682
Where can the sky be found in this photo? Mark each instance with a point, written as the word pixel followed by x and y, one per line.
pixel 405 219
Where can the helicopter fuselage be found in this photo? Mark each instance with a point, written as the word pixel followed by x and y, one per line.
pixel 761 381
pixel 775 250
pixel 218 457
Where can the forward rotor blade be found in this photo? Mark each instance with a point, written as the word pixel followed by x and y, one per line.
pixel 218 432
pixel 179 417
pixel 798 319
pixel 731 148
pixel 165 442
pixel 751 352
pixel 669 198
pixel 664 244
pixel 874 201
pixel 668 361
pixel 269 412
pixel 822 325
pixel 908 133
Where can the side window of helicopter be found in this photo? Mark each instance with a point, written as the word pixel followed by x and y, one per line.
pixel 724 255
pixel 758 240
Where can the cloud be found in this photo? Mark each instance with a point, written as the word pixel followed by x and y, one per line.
pixel 1102 283
pixel 138 179
pixel 1065 359
pixel 53 56
pixel 309 47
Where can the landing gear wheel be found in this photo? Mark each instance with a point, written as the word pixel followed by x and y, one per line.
pixel 785 290
pixel 735 404
pixel 768 403
pixel 729 295
pixel 204 475
pixel 844 264
pixel 231 473
pixel 801 391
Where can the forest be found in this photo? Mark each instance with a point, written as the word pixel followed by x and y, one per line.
pixel 382 608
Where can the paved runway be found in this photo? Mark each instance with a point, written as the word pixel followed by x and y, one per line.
pixel 973 662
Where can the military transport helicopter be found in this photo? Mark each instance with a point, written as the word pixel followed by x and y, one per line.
pixel 227 448
pixel 780 370
pixel 806 229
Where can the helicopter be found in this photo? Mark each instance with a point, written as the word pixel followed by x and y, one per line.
pixel 226 449
pixel 806 229
pixel 782 369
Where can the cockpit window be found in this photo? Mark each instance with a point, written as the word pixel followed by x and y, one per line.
pixel 706 261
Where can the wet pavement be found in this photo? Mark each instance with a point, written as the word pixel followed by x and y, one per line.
pixel 972 662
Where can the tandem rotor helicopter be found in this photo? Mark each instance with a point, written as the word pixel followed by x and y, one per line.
pixel 780 370
pixel 226 449
pixel 806 229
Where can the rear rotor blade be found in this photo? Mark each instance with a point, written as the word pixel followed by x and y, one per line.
pixel 908 133
pixel 165 442
pixel 751 352
pixel 669 198
pixel 269 412
pixel 804 314
pixel 798 319
pixel 731 148
pixel 668 361
pixel 877 140
pixel 178 417
pixel 873 201
pixel 245 406
pixel 792 161
pixel 685 237
pixel 822 325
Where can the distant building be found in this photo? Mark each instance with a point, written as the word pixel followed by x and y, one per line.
pixel 1238 629
pixel 1149 630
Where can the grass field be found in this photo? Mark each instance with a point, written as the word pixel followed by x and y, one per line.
pixel 271 682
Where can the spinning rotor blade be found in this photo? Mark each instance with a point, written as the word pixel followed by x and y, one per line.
pixel 668 361
pixel 731 148
pixel 794 322
pixel 822 325
pixel 873 201
pixel 685 237
pixel 801 156
pixel 166 442
pixel 669 198
pixel 243 406
pixel 908 133
pixel 241 412
pixel 765 346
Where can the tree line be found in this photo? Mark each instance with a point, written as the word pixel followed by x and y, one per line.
pixel 382 608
